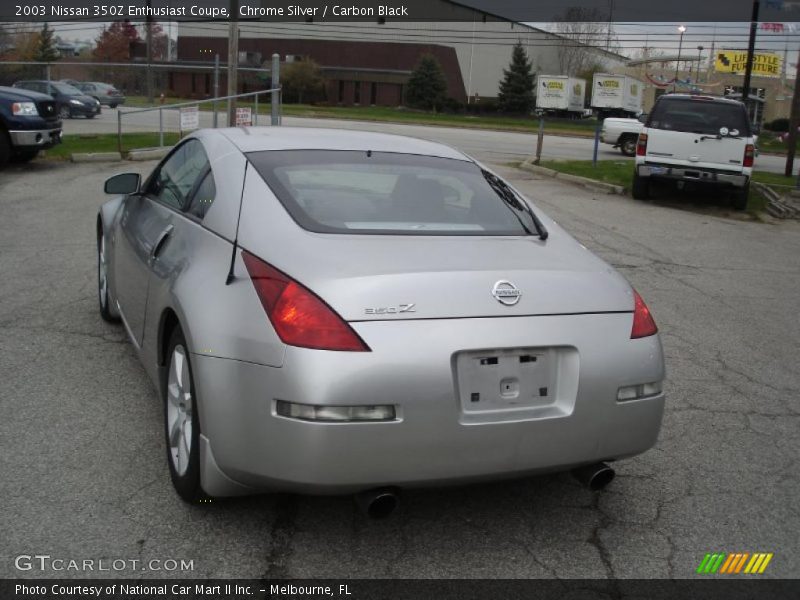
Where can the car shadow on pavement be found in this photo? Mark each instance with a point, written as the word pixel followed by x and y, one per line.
pixel 703 200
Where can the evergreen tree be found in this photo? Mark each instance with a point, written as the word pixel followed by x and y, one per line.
pixel 46 47
pixel 427 86
pixel 516 89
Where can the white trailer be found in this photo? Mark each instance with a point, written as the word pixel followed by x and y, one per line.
pixel 616 95
pixel 560 94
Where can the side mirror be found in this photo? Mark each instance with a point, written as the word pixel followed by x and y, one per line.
pixel 124 183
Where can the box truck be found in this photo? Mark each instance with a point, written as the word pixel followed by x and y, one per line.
pixel 560 95
pixel 616 95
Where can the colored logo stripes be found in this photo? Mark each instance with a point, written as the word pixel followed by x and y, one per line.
pixel 734 563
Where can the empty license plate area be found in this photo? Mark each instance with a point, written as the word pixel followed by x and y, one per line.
pixel 517 383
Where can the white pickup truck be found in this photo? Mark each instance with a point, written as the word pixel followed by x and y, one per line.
pixel 621 133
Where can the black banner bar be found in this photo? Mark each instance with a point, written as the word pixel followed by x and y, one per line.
pixel 747 587
pixel 527 11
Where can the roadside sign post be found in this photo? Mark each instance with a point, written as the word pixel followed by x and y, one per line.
pixel 276 79
pixel 596 143
pixel 160 128
pixel 244 116
pixel 539 141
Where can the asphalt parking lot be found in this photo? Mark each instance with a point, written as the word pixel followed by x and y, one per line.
pixel 83 472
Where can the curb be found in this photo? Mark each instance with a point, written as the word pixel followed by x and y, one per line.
pixel 89 157
pixel 148 153
pixel 590 184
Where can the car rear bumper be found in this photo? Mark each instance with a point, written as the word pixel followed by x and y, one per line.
pixel 434 439
pixel 35 138
pixel 699 175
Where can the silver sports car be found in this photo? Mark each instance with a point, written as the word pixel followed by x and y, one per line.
pixel 327 311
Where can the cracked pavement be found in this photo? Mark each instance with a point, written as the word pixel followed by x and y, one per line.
pixel 83 472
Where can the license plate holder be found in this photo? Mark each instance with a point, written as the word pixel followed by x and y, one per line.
pixel 507 379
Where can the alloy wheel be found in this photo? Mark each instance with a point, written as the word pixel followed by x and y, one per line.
pixel 179 410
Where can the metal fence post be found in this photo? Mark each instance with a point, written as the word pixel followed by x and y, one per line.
pixel 276 78
pixel 216 87
pixel 160 127
pixel 255 116
pixel 119 131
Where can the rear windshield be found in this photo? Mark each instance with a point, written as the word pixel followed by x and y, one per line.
pixel 332 191
pixel 67 89
pixel 699 116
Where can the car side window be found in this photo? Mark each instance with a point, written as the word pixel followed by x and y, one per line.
pixel 203 196
pixel 177 176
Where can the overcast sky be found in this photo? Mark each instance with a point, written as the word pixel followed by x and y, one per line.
pixel 632 36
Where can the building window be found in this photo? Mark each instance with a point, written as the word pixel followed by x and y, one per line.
pixel 373 93
pixel 194 82
pixel 341 91
pixel 357 92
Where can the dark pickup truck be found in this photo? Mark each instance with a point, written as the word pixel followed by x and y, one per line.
pixel 28 123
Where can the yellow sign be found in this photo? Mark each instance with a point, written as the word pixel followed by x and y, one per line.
pixel 765 64
pixel 554 85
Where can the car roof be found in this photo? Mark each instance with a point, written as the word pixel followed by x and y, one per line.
pixel 705 97
pixel 255 139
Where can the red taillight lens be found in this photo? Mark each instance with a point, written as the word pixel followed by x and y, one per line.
pixel 299 316
pixel 749 155
pixel 643 323
pixel 109 92
pixel 641 145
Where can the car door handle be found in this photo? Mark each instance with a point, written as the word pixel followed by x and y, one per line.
pixel 159 245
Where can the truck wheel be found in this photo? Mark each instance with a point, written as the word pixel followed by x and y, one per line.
pixel 740 197
pixel 627 145
pixel 5 147
pixel 64 112
pixel 640 190
pixel 23 156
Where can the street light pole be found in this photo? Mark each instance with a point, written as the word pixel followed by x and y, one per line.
pixel 682 29
pixel 699 59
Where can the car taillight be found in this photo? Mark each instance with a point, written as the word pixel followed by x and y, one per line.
pixel 749 155
pixel 299 316
pixel 641 145
pixel 109 92
pixel 643 323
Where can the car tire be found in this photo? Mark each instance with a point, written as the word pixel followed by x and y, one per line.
pixel 740 198
pixel 640 189
pixel 64 112
pixel 90 116
pixel 103 295
pixel 112 106
pixel 23 156
pixel 627 145
pixel 5 147
pixel 181 421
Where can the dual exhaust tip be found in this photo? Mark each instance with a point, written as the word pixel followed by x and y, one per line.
pixel 381 503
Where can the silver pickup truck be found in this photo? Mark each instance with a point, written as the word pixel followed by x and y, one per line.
pixel 621 133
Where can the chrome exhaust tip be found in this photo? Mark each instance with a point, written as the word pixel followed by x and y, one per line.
pixel 595 477
pixel 379 503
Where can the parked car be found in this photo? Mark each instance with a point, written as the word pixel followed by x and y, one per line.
pixel 330 311
pixel 105 93
pixel 621 133
pixel 697 140
pixel 28 123
pixel 70 101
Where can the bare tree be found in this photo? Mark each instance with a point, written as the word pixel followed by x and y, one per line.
pixel 583 32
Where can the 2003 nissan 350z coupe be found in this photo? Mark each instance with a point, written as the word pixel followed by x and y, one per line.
pixel 331 312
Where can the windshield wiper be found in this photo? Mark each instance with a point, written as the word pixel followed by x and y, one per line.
pixel 519 208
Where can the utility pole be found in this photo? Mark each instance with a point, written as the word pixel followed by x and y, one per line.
pixel 751 47
pixel 149 40
pixel 794 121
pixel 233 60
